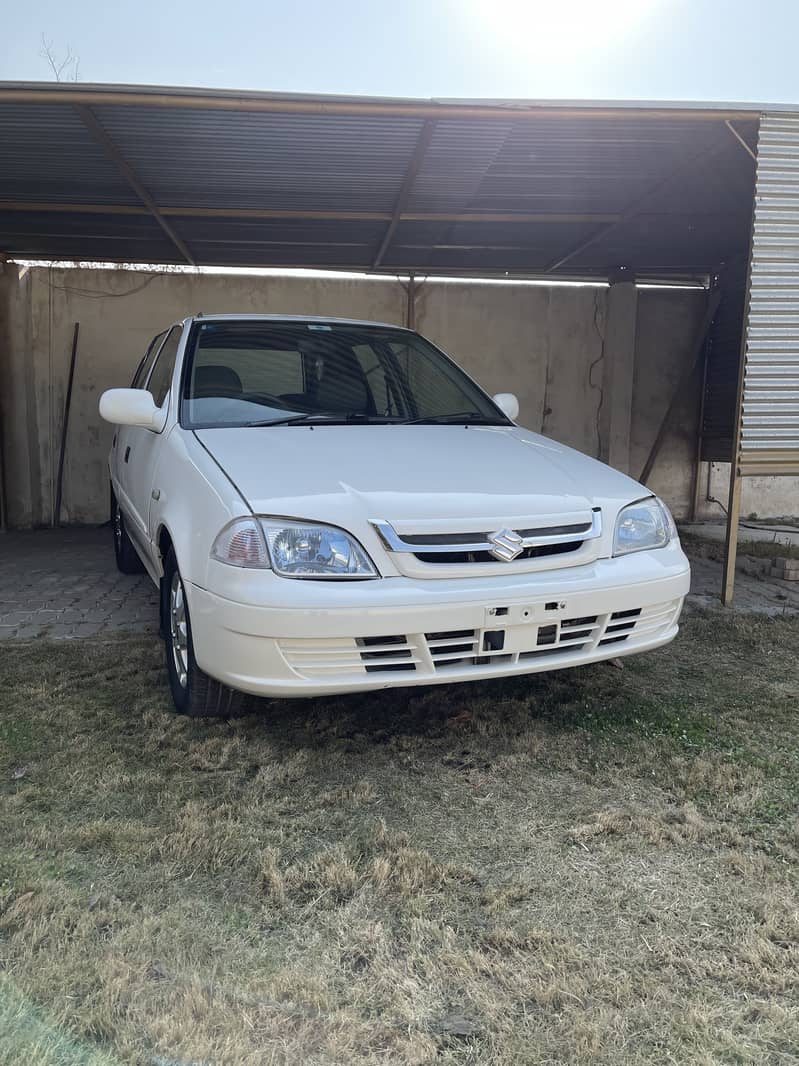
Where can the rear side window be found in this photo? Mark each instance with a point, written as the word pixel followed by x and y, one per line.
pixel 144 366
pixel 161 377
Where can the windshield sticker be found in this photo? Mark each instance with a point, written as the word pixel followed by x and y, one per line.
pixel 327 328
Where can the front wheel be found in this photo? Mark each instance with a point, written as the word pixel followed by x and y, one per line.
pixel 128 561
pixel 194 693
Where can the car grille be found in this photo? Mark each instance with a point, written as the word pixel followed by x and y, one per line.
pixel 457 549
pixel 452 650
pixel 452 557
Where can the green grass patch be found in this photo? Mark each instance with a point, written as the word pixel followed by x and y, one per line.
pixel 27 1038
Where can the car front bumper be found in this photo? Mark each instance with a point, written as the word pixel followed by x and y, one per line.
pixel 305 638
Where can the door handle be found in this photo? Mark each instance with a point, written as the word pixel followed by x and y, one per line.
pixel 127 453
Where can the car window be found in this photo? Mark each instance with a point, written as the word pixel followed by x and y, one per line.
pixel 161 377
pixel 263 371
pixel 384 397
pixel 245 372
pixel 143 369
pixel 436 385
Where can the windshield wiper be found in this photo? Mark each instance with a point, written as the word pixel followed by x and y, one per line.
pixel 326 419
pixel 464 417
pixel 283 421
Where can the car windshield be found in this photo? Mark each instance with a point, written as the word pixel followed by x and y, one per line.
pixel 260 373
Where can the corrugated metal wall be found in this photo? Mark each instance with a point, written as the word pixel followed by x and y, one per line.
pixel 769 439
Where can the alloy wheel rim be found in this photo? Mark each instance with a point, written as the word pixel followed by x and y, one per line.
pixel 179 630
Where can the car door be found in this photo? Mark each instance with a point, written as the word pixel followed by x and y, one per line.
pixel 121 444
pixel 140 448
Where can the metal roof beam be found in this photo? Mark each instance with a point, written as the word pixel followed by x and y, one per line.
pixel 414 166
pixel 239 242
pixel 100 135
pixel 227 100
pixel 694 275
pixel 255 213
pixel 752 154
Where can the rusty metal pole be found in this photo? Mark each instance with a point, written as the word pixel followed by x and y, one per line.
pixel 65 428
pixel 700 425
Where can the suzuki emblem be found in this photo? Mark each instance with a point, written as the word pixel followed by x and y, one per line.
pixel 507 545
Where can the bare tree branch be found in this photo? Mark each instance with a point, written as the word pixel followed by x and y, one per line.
pixel 70 63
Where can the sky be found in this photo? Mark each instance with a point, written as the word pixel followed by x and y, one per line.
pixel 712 50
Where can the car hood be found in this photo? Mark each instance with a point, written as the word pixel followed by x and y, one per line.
pixel 420 478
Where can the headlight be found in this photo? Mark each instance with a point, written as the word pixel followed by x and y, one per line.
pixel 292 549
pixel 641 525
pixel 315 551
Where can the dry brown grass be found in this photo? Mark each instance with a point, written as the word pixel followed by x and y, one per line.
pixel 701 547
pixel 593 867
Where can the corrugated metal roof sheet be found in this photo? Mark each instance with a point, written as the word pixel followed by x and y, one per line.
pixel 48 154
pixel 661 189
pixel 202 158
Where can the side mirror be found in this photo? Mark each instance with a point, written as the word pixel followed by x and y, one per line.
pixel 132 407
pixel 508 404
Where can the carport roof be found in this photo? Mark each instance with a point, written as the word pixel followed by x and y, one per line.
pixel 524 188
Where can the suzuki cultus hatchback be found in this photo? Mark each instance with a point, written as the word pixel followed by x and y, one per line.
pixel 332 506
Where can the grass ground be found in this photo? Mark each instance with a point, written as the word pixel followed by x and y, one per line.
pixel 596 866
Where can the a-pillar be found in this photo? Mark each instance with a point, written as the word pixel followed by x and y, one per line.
pixel 615 416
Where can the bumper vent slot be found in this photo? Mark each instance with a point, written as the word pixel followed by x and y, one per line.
pixel 570 634
pixel 458 646
pixel 345 656
pixel 385 654
pixel 620 625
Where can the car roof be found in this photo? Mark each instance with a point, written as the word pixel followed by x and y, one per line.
pixel 202 317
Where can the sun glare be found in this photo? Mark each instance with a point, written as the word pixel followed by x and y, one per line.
pixel 556 30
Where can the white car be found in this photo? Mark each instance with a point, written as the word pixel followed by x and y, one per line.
pixel 334 506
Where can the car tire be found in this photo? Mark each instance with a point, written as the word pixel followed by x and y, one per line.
pixel 128 561
pixel 194 693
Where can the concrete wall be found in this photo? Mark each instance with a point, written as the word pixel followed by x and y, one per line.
pixel 18 447
pixel 546 344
